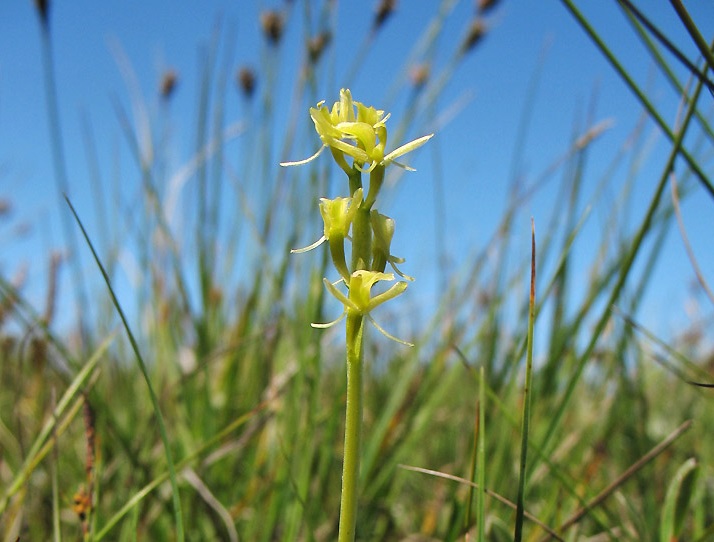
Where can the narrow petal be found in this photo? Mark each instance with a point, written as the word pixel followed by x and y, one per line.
pixel 362 132
pixel 366 169
pixel 403 166
pixel 393 262
pixel 355 152
pixel 329 324
pixel 314 245
pixel 302 162
pixel 370 115
pixel 386 334
pixel 324 125
pixel 342 298
pixel 393 292
pixel 408 147
pixel 347 112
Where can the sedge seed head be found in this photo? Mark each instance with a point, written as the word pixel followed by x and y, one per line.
pixel 317 45
pixel 475 34
pixel 246 81
pixel 43 7
pixel 485 6
pixel 384 10
pixel 273 24
pixel 419 75
pixel 168 84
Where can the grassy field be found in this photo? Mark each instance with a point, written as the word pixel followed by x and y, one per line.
pixel 203 406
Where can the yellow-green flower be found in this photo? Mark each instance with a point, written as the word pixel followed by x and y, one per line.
pixel 361 135
pixel 360 302
pixel 360 299
pixel 337 216
pixel 383 229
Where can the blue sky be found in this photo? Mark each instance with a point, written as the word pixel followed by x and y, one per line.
pixel 488 92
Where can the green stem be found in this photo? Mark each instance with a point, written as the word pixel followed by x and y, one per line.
pixel 337 253
pixel 355 180
pixel 62 183
pixel 361 240
pixel 527 397
pixel 353 428
pixel 376 178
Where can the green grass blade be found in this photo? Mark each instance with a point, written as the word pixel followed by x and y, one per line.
pixel 178 516
pixel 131 504
pixel 666 70
pixel 31 459
pixel 60 170
pixel 641 96
pixel 687 21
pixel 481 459
pixel 657 33
pixel 624 271
pixel 622 478
pixel 527 396
pixel 676 501
pixel 56 530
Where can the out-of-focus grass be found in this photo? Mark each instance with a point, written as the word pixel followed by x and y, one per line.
pixel 253 397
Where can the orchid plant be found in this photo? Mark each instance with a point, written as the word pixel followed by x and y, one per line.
pixel 356 136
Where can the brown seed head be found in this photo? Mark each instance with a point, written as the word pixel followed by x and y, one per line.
pixel 246 81
pixel 43 7
pixel 82 504
pixel 51 301
pixel 476 32
pixel 317 45
pixel 168 83
pixel 5 207
pixel 485 6
pixel 273 24
pixel 384 9
pixel 420 75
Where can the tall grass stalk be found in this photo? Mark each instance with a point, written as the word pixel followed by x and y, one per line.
pixel 640 94
pixel 626 265
pixel 527 396
pixel 481 459
pixel 60 171
pixel 704 49
pixel 178 514
pixel 36 450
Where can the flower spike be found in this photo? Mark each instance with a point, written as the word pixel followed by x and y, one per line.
pixel 353 130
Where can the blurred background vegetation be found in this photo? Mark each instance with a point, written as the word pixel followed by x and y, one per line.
pixel 252 398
